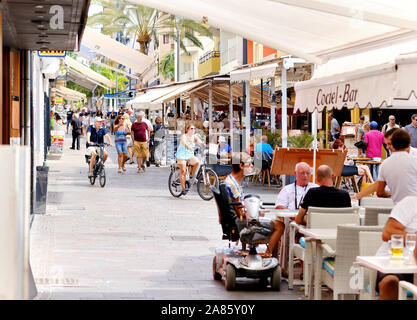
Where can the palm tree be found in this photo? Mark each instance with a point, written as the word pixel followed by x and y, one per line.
pixel 145 23
pixel 111 75
pixel 167 66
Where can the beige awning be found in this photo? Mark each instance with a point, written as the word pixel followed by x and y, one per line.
pixel 144 100
pixel 115 50
pixel 69 94
pixel 179 90
pixel 248 74
pixel 87 73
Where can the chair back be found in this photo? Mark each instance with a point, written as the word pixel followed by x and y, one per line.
pixel 371 214
pixel 375 201
pixel 369 242
pixel 382 219
pixel 330 220
pixel 226 213
pixel 332 210
pixel 347 249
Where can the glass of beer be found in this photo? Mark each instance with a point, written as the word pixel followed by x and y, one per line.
pixel 397 246
pixel 410 244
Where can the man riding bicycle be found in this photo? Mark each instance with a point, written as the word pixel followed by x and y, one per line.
pixel 95 135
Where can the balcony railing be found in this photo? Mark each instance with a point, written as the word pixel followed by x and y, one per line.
pixel 208 56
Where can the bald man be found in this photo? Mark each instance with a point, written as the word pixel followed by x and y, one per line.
pixel 324 196
pixel 264 146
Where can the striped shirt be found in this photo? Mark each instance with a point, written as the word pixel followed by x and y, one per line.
pixel 234 189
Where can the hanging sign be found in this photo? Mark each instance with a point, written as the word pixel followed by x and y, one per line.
pixel 52 53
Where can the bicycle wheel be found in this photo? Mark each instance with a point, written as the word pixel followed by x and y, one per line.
pixel 92 179
pixel 102 179
pixel 174 184
pixel 204 189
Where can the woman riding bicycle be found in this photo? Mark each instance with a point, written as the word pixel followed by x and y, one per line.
pixel 185 152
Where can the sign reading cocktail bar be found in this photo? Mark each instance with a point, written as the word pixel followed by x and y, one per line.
pixel 367 89
pixel 346 94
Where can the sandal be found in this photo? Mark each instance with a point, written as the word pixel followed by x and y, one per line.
pixel 123 168
pixel 119 171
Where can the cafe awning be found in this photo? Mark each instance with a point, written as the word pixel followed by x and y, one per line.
pixel 179 90
pixel 367 80
pixel 248 74
pixel 115 50
pixel 144 100
pixel 87 73
pixel 69 94
pixel 315 30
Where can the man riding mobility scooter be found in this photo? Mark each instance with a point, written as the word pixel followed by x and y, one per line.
pixel 231 262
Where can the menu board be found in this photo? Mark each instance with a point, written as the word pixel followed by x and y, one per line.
pixel 57 142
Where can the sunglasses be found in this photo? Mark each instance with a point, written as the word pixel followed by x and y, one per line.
pixel 192 128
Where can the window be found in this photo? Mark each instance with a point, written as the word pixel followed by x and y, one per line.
pixel 166 38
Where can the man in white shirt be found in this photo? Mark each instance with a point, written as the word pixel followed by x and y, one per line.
pixel 291 196
pixel 399 171
pixel 402 220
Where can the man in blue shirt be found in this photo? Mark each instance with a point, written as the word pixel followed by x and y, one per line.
pixel 264 146
pixel 95 135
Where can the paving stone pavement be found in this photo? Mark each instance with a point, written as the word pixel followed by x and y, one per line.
pixel 128 240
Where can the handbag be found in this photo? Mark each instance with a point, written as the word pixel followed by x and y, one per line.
pixel 361 145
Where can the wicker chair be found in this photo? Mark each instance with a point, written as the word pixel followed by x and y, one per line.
pixel 375 201
pixel 371 214
pixel 382 219
pixel 347 249
pixel 405 286
pixel 297 251
pixel 369 242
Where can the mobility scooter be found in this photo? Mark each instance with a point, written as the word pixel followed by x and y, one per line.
pixel 232 262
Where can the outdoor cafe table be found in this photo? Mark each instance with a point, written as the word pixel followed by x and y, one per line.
pixel 285 244
pixel 318 235
pixel 386 264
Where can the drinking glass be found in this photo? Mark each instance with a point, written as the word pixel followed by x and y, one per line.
pixel 410 244
pixel 397 246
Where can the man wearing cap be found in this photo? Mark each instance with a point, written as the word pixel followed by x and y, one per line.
pixel 95 135
pixel 140 136
pixel 374 140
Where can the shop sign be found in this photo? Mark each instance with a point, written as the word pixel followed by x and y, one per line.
pixel 57 142
pixel 59 100
pixel 331 96
pixel 52 53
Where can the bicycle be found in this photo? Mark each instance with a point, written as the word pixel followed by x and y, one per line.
pixel 206 178
pixel 98 168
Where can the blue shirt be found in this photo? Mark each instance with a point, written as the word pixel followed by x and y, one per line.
pixel 264 147
pixel 96 136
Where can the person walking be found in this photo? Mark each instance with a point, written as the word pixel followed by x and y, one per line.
pixel 334 127
pixel 112 117
pixel 390 125
pixel 148 135
pixel 129 140
pixel 158 141
pixel 120 132
pixel 374 140
pixel 76 131
pixel 412 130
pixel 70 113
pixel 140 135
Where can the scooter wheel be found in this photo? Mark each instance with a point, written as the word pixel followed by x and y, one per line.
pixel 276 279
pixel 230 282
pixel 216 276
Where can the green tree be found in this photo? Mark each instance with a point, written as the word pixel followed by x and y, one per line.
pixel 111 75
pixel 167 66
pixel 145 23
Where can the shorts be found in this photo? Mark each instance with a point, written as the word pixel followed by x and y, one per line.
pixel 350 171
pixel 409 277
pixel 68 122
pixel 90 150
pixel 121 147
pixel 140 149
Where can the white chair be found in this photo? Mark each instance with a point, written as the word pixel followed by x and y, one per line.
pixel 369 243
pixel 372 212
pixel 375 201
pixel 296 250
pixel 336 273
pixel 382 219
pixel 403 287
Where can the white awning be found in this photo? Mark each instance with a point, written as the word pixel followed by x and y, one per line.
pixel 365 88
pixel 364 80
pixel 87 73
pixel 69 94
pixel 179 90
pixel 248 74
pixel 115 50
pixel 144 101
pixel 315 30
